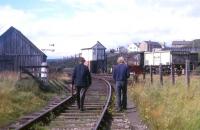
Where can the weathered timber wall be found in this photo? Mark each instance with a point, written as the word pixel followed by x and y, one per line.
pixel 16 50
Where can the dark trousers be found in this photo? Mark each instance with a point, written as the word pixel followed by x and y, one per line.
pixel 80 96
pixel 121 94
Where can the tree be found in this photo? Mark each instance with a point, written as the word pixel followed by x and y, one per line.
pixel 122 49
pixel 112 50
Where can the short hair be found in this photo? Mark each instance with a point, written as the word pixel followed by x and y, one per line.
pixel 120 60
pixel 81 60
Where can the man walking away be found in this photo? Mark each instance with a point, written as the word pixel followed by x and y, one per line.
pixel 81 78
pixel 120 75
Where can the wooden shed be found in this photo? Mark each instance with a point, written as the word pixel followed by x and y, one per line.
pixel 96 58
pixel 16 50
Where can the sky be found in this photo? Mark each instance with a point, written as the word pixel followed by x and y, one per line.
pixel 75 24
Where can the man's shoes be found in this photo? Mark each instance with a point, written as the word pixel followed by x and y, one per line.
pixel 78 106
pixel 118 110
pixel 81 109
pixel 124 108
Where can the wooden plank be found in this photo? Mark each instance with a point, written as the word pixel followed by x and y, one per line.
pixel 172 74
pixel 16 45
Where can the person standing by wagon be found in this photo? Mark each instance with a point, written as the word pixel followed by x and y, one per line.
pixel 81 78
pixel 120 75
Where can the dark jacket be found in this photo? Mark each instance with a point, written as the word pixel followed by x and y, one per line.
pixel 81 76
pixel 121 72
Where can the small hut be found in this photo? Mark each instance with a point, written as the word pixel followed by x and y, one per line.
pixel 95 57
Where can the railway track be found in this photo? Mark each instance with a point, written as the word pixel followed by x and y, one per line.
pixel 68 116
pixel 96 103
pixel 63 114
pixel 54 105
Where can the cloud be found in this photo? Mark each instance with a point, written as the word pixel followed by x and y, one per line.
pixel 49 0
pixel 167 3
pixel 10 16
pixel 113 23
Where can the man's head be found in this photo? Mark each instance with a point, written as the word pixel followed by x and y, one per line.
pixel 120 60
pixel 81 60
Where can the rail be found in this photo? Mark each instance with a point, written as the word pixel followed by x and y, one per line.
pixel 41 116
pixel 57 106
pixel 109 92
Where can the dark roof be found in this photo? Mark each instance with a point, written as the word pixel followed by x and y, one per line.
pixel 14 30
pixel 86 48
pixel 97 44
pixel 134 43
pixel 152 43
pixel 181 42
pixel 137 44
pixel 186 44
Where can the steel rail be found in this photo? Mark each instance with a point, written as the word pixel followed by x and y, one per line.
pixel 109 93
pixel 53 108
pixel 40 117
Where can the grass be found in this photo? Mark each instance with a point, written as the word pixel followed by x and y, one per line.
pixel 19 97
pixel 168 107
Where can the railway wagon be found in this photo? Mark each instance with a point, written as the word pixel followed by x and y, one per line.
pixel 167 58
pixel 135 61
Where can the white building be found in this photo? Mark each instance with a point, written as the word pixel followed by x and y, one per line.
pixel 133 47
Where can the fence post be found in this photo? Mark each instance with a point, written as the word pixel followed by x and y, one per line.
pixel 132 78
pixel 172 74
pixel 187 72
pixel 144 76
pixel 72 90
pixel 161 74
pixel 151 74
pixel 20 73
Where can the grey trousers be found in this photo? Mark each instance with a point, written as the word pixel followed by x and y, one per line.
pixel 121 94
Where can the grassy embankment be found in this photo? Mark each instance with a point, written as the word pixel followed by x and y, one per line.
pixel 19 97
pixel 168 107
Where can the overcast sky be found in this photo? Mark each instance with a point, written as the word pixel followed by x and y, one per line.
pixel 75 24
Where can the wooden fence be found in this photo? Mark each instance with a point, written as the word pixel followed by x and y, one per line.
pixel 173 73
